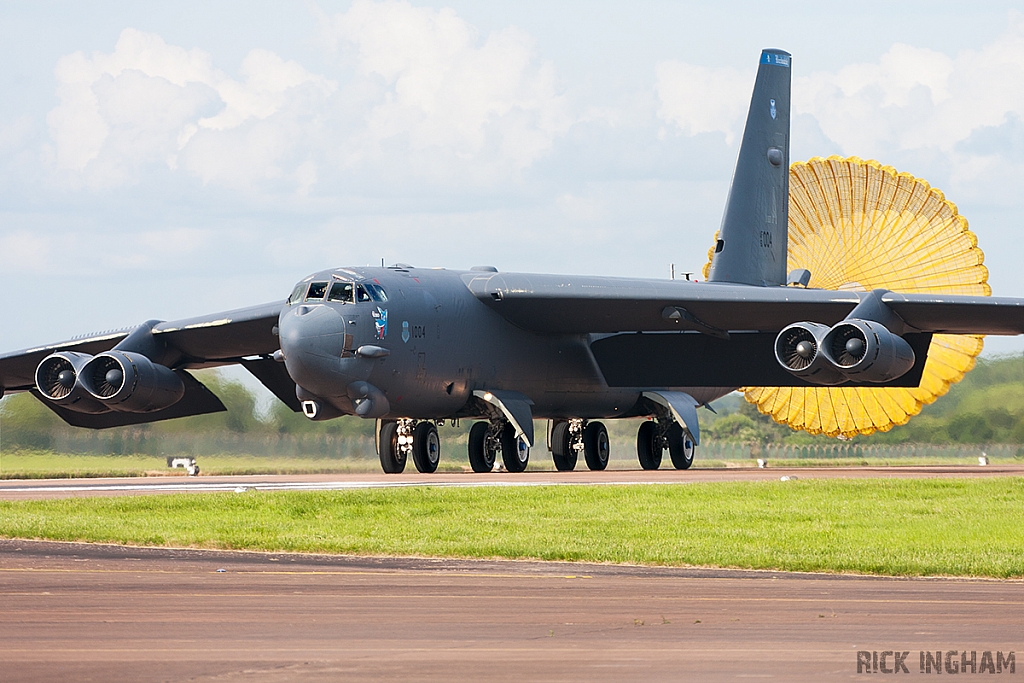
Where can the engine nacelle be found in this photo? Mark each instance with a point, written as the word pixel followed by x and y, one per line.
pixel 866 351
pixel 798 348
pixel 130 382
pixel 57 379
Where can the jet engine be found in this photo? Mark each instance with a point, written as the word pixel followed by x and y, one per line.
pixel 57 379
pixel 866 351
pixel 798 350
pixel 852 350
pixel 130 382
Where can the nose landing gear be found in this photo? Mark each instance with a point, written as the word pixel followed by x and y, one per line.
pixel 399 439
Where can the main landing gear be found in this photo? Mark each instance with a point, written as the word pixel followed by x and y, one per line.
pixel 570 437
pixel 654 437
pixel 486 439
pixel 398 440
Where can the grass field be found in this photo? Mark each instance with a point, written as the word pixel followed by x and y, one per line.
pixel 963 527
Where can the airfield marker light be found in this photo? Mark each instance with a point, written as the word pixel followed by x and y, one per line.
pixel 858 225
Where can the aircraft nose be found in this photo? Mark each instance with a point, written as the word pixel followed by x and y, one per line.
pixel 312 340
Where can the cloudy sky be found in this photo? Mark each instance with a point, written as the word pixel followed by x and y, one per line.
pixel 162 160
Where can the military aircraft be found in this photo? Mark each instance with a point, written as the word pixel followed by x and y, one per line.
pixel 413 347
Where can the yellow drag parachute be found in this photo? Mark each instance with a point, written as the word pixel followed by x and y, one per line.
pixel 858 225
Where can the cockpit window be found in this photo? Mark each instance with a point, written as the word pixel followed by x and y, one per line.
pixel 342 292
pixel 377 292
pixel 361 294
pixel 296 296
pixel 316 291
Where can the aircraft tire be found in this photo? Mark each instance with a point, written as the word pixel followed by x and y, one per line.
pixel 596 447
pixel 480 458
pixel 392 460
pixel 426 447
pixel 514 451
pixel 648 450
pixel 680 447
pixel 562 451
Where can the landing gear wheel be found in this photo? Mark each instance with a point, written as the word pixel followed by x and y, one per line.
pixel 481 453
pixel 392 458
pixel 562 451
pixel 514 451
pixel 648 446
pixel 426 447
pixel 596 448
pixel 680 447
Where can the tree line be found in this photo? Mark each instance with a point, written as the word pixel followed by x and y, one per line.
pixel 986 407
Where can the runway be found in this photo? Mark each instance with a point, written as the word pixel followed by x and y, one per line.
pixel 61 488
pixel 82 612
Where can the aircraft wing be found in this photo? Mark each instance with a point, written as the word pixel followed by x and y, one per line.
pixel 581 304
pixel 208 340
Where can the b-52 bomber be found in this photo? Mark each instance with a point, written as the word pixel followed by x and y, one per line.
pixel 413 347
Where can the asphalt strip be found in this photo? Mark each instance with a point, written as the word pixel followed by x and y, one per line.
pixel 314 486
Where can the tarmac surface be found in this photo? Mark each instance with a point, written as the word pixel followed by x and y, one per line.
pixel 82 612
pixel 62 488
pixel 79 612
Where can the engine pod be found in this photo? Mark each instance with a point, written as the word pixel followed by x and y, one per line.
pixel 131 383
pixel 798 350
pixel 866 351
pixel 58 380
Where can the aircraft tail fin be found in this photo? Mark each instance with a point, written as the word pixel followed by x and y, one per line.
pixel 751 247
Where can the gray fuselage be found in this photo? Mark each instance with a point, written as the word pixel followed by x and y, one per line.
pixel 442 344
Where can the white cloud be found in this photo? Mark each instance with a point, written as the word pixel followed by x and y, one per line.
pixel 25 252
pixel 446 91
pixel 699 99
pixel 913 105
pixel 144 102
pixel 918 99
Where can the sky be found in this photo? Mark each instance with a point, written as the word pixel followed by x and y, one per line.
pixel 166 160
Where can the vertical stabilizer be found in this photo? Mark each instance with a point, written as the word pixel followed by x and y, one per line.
pixel 751 247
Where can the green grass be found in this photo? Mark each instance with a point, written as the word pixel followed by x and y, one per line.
pixel 957 527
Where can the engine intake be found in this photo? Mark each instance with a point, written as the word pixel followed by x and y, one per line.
pixel 798 349
pixel 852 350
pixel 130 382
pixel 57 380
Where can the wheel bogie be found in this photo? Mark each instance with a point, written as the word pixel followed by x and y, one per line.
pixel 563 450
pixel 680 447
pixel 392 456
pixel 649 449
pixel 482 447
pixel 426 447
pixel 596 447
pixel 515 453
